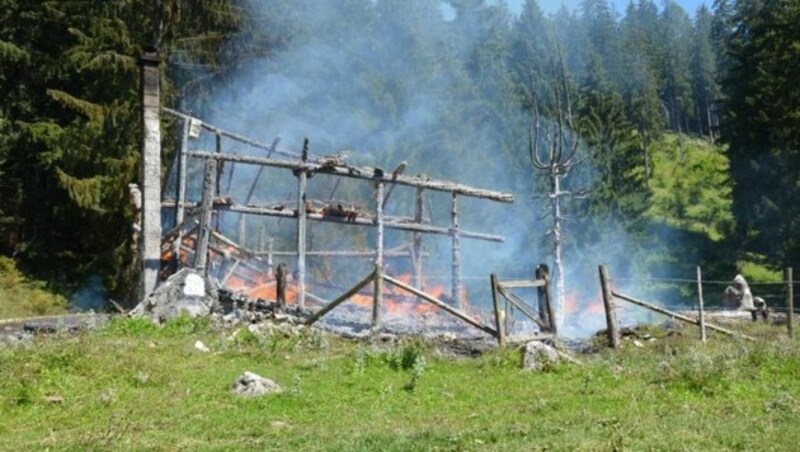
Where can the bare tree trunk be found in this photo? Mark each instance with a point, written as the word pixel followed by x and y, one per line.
pixel 558 262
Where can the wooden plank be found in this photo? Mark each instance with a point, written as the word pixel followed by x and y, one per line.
pixel 683 318
pixel 389 222
pixel 456 260
pixel 342 298
pixel 544 271
pixel 364 173
pixel 280 289
pixel 789 302
pixel 204 233
pixel 700 307
pixel 252 190
pixel 236 263
pixel 416 245
pixel 302 181
pixel 612 328
pixel 180 186
pixel 395 253
pixel 520 304
pixel 498 319
pixel 377 302
pixel 440 304
pixel 231 135
pixel 522 283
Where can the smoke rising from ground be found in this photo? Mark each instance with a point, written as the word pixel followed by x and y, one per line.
pixel 394 81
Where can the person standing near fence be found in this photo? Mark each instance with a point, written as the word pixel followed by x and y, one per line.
pixel 739 296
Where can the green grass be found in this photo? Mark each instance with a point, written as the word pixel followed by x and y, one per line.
pixel 21 296
pixel 132 386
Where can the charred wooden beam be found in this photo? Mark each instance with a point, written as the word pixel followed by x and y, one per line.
pixel 612 326
pixel 203 235
pixel 280 277
pixel 232 135
pixel 498 316
pixel 416 246
pixel 520 304
pixel 681 317
pixel 456 270
pixel 180 186
pixel 390 222
pixel 302 181
pixel 341 299
pixel 394 253
pixel 363 173
pixel 378 296
pixel 440 304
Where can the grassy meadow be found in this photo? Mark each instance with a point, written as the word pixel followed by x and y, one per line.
pixel 131 385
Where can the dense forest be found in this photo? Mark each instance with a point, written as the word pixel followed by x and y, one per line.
pixel 686 127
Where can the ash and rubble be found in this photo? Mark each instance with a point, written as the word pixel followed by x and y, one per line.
pixel 24 331
pixel 188 293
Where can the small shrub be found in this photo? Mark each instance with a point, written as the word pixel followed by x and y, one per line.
pixel 184 324
pixel 700 369
pixel 131 327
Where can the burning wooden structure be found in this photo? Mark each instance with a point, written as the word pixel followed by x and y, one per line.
pixel 195 239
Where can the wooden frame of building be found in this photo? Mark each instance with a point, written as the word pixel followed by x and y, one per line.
pixel 303 167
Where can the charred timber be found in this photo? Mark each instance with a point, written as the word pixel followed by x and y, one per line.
pixel 232 135
pixel 391 222
pixel 364 173
pixel 340 253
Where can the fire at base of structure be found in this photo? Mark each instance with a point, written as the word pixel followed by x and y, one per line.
pixel 195 240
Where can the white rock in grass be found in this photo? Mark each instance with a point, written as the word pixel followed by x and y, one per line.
pixel 538 356
pixel 252 385
pixel 201 346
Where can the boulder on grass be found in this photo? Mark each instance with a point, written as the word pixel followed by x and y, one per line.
pixel 186 293
pixel 253 385
pixel 538 356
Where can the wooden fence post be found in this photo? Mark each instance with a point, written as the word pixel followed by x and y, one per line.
pixel 302 215
pixel 608 303
pixel 501 333
pixel 416 247
pixel 543 272
pixel 789 302
pixel 700 305
pixel 280 286
pixel 206 215
pixel 378 295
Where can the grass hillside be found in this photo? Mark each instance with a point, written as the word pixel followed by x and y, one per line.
pixel 132 386
pixel 21 296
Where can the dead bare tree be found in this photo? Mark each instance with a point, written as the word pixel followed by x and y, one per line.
pixel 553 145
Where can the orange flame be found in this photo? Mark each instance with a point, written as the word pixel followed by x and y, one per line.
pixel 248 280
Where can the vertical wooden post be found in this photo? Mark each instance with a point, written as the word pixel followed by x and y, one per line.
pixel 262 238
pixel 416 249
pixel 378 296
pixel 270 255
pixel 700 305
pixel 180 186
pixel 180 193
pixel 302 180
pixel 150 176
pixel 608 303
pixel 280 286
pixel 543 272
pixel 789 302
pixel 206 214
pixel 457 298
pixel 243 230
pixel 498 317
pixel 218 175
